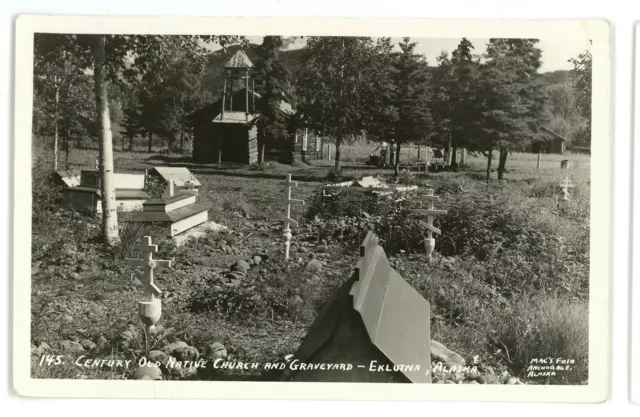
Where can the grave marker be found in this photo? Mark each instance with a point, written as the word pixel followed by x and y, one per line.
pixel 566 184
pixel 287 217
pixel 430 212
pixel 375 315
pixel 150 309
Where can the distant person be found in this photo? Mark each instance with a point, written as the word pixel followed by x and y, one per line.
pixel 384 147
pixel 392 154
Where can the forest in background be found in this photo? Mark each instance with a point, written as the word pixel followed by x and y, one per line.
pixel 153 111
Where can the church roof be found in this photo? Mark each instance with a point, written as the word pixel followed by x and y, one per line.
pixel 239 60
pixel 554 134
pixel 233 117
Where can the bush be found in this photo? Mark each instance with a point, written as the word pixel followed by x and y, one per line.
pixel 260 167
pixel 539 328
pixel 283 292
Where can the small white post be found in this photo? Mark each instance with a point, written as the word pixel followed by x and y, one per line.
pixel 169 191
pixel 287 216
pixel 150 309
pixel 538 163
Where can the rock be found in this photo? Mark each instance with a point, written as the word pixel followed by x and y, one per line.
pixel 234 283
pixel 473 382
pixel 250 262
pixel 149 371
pixel 76 276
pixel 486 379
pixel 69 346
pixel 67 318
pixel 216 350
pixel 101 342
pixel 186 354
pixel 183 372
pixel 240 266
pixel 257 259
pixel 457 377
pixel 69 249
pixel 172 347
pixel 235 275
pixel 127 335
pixel 217 288
pixel 513 381
pixel 41 349
pixel 440 353
pixel 314 266
pixel 295 301
pixel 158 356
pixel 88 344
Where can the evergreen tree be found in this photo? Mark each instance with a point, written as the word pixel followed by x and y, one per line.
pixel 581 75
pixel 411 98
pixel 272 79
pixel 513 100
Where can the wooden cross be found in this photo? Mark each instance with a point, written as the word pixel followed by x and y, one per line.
pixel 151 308
pixel 566 184
pixel 149 264
pixel 287 217
pixel 430 212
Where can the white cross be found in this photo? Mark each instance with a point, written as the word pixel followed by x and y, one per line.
pixel 150 289
pixel 430 212
pixel 287 217
pixel 566 184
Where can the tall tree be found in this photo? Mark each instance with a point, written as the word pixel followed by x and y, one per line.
pixel 513 98
pixel 114 58
pixel 55 77
pixel 462 94
pixel 581 74
pixel 384 102
pixel 272 79
pixel 411 97
pixel 335 83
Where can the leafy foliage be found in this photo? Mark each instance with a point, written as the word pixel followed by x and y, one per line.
pixel 582 70
pixel 335 84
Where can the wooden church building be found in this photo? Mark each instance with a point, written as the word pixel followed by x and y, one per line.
pixel 226 130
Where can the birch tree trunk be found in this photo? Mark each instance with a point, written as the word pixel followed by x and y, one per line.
pixel 396 162
pixel 55 122
pixel 108 192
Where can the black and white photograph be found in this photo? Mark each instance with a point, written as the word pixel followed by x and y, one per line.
pixel 306 203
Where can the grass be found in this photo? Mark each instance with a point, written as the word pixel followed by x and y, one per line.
pixel 539 328
pixel 508 306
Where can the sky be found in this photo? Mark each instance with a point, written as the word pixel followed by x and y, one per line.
pixel 555 53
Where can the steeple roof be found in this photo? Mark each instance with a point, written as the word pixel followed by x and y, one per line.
pixel 239 60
